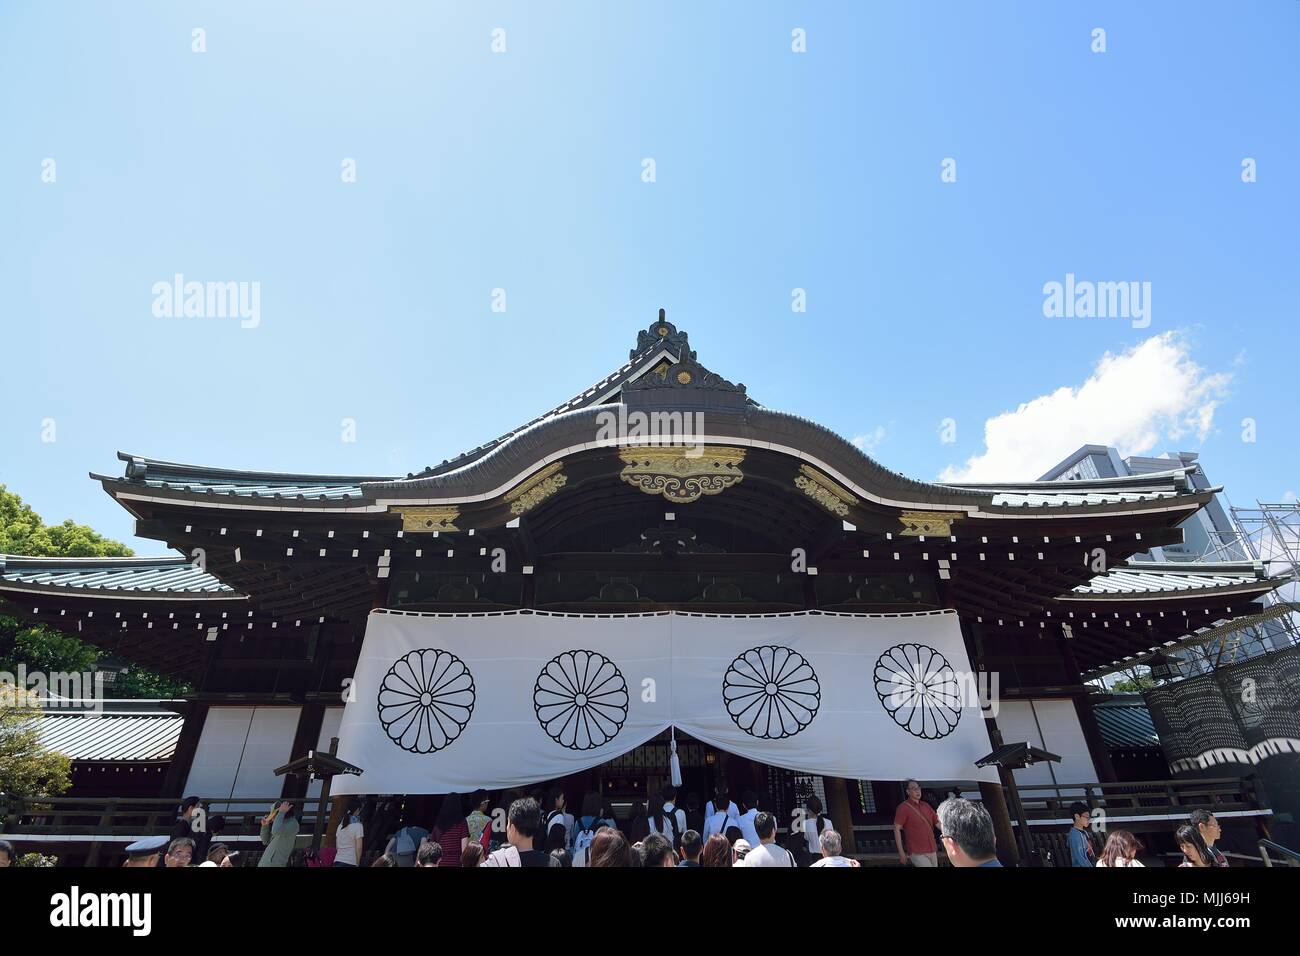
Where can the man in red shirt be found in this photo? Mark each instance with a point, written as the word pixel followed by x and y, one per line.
pixel 916 821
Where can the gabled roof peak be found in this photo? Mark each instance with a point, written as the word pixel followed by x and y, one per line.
pixel 662 333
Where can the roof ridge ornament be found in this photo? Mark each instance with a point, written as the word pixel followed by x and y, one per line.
pixel 662 333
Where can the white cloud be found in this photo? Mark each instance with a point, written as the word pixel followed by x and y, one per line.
pixel 867 443
pixel 1133 401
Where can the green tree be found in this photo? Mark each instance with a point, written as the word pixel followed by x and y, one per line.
pixel 27 768
pixel 1133 684
pixel 23 532
pixel 43 648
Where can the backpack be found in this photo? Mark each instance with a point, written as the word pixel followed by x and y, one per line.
pixel 507 856
pixel 582 844
pixel 543 839
pixel 406 847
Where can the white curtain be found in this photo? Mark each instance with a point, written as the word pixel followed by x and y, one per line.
pixel 446 702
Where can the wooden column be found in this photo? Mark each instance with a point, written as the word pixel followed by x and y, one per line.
pixel 994 796
pixel 196 714
pixel 178 770
pixel 840 809
pixel 312 715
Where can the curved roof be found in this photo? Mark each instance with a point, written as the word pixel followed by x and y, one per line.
pixel 661 377
pixel 1148 579
pixel 125 730
pixel 171 575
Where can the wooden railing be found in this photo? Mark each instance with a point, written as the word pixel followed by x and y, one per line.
pixel 112 822
pixel 1136 800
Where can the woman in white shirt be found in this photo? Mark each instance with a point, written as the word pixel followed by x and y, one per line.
pixel 348 837
pixel 814 824
pixel 1121 849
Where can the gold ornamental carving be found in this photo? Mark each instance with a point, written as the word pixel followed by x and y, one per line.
pixel 528 494
pixel 429 519
pixel 824 491
pixel 682 473
pixel 927 523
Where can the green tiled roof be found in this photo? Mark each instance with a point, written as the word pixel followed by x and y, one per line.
pixel 171 574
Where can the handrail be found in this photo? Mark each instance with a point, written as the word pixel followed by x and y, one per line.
pixel 1286 851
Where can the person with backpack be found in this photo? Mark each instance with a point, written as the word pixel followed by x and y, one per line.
pixel 404 845
pixel 814 825
pixel 556 816
pixel 522 823
pixel 721 802
pixel 450 831
pixel 663 821
pixel 585 827
pixel 669 793
pixel 720 815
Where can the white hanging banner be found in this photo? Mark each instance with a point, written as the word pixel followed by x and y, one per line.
pixel 444 702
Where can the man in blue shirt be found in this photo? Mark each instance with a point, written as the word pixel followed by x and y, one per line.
pixel 1082 850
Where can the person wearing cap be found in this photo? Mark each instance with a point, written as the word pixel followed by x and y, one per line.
pixel 741 849
pixel 144 853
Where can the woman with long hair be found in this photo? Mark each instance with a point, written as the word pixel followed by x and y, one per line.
pixel 1195 852
pixel 609 848
pixel 659 820
pixel 815 823
pixel 717 851
pixel 1121 849
pixel 349 837
pixel 450 830
pixel 637 826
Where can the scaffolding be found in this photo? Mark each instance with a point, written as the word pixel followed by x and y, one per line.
pixel 1269 532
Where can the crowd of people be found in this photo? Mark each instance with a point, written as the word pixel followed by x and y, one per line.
pixel 538 830
pixel 1195 839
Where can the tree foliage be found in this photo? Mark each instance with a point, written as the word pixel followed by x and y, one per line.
pixel 27 768
pixel 23 532
pixel 45 649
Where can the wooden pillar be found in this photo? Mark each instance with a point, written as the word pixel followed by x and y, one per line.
pixel 310 719
pixel 178 770
pixel 839 808
pixel 994 796
pixel 196 714
pixel 312 715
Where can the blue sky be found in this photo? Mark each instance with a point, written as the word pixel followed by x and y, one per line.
pixel 522 170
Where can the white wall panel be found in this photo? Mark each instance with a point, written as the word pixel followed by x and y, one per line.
pixel 239 749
